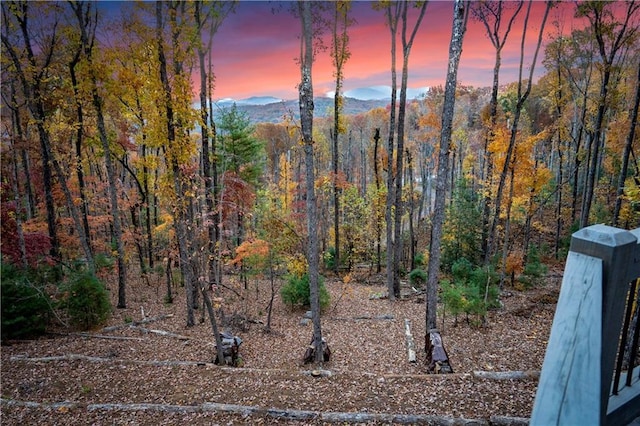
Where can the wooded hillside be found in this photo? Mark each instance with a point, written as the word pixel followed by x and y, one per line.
pixel 117 167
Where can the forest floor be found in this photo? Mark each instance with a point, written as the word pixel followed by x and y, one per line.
pixel 129 373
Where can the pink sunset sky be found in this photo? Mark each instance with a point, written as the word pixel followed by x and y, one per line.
pixel 255 49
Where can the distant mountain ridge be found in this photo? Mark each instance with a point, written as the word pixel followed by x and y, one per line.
pixel 269 109
pixel 266 109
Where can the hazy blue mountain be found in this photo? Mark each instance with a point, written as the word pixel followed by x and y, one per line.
pixel 274 112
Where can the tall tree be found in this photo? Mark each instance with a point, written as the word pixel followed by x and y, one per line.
pixel 521 97
pixel 340 54
pixel 209 17
pixel 87 22
pixel 627 152
pixel 392 12
pixel 460 15
pixel 490 13
pixel 407 43
pixel 305 90
pixel 33 76
pixel 612 38
pixel 176 151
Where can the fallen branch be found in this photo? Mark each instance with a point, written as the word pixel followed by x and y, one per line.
pixel 247 410
pixel 178 363
pixel 411 347
pixel 102 336
pixel 384 317
pixel 507 375
pixel 78 357
pixel 134 323
pixel 160 332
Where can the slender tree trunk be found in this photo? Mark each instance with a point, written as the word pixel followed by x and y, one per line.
pixel 179 210
pixel 460 14
pixel 626 153
pixel 602 30
pixel 507 227
pixel 306 121
pixel 407 43
pixel 393 14
pixel 336 192
pixel 376 172
pixel 412 237
pixel 490 14
pixel 19 139
pixel 522 97
pixel 87 22
pixel 84 208
pixel 206 159
pixel 16 192
pixel 33 94
pixel 595 144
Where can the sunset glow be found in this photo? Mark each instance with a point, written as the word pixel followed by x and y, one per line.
pixel 255 49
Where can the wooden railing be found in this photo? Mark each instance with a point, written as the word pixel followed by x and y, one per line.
pixel 584 379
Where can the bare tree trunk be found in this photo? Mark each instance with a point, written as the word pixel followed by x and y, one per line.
pixel 522 96
pixel 179 210
pixel 33 94
pixel 376 170
pixel 87 22
pixel 490 13
pixel 626 153
pixel 306 122
pixel 460 14
pixel 412 237
pixel 407 43
pixel 597 19
pixel 211 225
pixel 393 15
pixel 84 207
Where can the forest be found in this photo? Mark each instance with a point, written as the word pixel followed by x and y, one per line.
pixel 122 177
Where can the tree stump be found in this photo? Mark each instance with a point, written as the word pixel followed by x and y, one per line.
pixel 230 348
pixel 310 353
pixel 437 358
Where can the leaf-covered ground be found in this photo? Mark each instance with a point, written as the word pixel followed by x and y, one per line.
pixel 119 375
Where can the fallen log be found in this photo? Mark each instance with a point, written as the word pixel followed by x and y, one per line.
pixel 411 347
pixel 79 357
pixel 507 375
pixel 247 410
pixel 102 336
pixel 508 421
pixel 384 317
pixel 134 323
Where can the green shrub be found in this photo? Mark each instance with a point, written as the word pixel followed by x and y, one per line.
pixel 473 290
pixel 297 292
pixel 103 261
pixel 534 267
pixel 453 298
pixel 25 305
pixel 418 277
pixel 329 258
pixel 461 269
pixel 86 300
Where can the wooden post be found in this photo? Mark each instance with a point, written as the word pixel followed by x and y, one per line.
pixel 578 366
